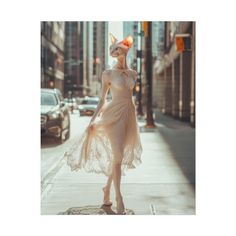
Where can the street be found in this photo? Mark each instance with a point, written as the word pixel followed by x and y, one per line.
pixel 52 152
pixel 164 184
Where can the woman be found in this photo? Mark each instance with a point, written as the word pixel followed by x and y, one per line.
pixel 111 144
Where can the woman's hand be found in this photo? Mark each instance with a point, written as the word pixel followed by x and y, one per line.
pixel 90 126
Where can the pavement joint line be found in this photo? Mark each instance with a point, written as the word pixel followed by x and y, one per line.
pixel 47 190
pixel 153 210
pixel 51 174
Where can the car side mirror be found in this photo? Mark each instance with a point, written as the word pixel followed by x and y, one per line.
pixel 62 104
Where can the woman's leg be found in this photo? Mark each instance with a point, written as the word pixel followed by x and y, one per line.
pixel 109 181
pixel 117 179
pixel 117 138
pixel 106 191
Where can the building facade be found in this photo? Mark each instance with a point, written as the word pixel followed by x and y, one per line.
pixel 73 62
pixel 174 74
pixel 131 28
pixel 86 48
pixel 73 56
pixel 158 29
pixel 87 56
pixel 52 55
pixel 100 54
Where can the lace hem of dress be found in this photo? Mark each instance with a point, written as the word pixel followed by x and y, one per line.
pixel 94 155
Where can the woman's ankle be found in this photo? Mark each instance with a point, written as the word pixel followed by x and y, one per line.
pixel 119 198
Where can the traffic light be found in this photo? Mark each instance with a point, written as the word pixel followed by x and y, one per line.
pixel 183 42
pixel 145 27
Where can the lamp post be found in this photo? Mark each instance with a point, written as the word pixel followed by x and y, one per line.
pixel 138 88
pixel 148 65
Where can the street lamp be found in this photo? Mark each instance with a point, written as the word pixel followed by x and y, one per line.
pixel 97 60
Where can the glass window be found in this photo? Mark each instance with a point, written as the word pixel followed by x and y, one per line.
pixel 48 99
pixel 91 102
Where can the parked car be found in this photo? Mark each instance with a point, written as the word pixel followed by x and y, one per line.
pixel 88 106
pixel 55 117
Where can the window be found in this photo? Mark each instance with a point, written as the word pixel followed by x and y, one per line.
pixel 48 99
pixel 91 102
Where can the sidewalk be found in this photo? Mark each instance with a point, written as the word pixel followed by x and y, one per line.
pixel 163 184
pixel 180 137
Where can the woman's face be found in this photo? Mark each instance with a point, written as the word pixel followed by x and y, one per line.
pixel 116 51
pixel 120 48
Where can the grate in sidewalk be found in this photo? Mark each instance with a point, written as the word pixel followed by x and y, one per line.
pixel 94 210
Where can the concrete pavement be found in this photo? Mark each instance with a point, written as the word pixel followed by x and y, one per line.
pixel 163 184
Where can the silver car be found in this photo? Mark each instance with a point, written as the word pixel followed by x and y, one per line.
pixel 88 106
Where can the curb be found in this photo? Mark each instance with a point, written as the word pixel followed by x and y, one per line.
pixel 46 181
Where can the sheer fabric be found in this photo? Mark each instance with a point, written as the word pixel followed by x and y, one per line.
pixel 114 135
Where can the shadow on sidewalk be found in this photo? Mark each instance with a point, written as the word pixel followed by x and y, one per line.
pixel 180 137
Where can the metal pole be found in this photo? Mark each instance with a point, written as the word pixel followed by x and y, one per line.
pixel 140 111
pixel 148 65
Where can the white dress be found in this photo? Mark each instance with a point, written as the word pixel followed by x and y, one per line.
pixel 115 136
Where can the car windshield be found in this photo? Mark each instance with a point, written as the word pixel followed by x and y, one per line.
pixel 92 102
pixel 48 99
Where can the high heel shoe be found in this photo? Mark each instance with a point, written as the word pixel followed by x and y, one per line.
pixel 106 202
pixel 120 208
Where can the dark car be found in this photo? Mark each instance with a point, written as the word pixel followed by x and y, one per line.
pixel 88 106
pixel 55 117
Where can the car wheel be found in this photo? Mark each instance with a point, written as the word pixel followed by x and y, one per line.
pixel 60 138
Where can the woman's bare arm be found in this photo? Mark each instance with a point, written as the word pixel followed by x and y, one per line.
pixel 103 94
